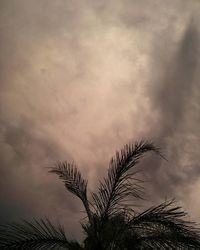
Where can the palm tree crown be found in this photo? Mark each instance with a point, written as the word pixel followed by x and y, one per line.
pixel 111 224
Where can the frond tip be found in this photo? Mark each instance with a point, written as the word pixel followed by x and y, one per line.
pixel 71 177
pixel 38 234
pixel 73 181
pixel 165 226
pixel 120 182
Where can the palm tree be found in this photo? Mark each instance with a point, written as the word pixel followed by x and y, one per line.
pixel 110 223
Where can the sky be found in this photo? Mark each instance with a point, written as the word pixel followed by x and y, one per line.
pixel 78 80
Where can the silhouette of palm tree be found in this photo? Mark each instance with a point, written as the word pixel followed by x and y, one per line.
pixel 111 224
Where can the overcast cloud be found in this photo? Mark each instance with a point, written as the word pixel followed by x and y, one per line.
pixel 81 78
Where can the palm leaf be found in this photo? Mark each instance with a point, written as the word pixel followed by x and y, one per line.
pixel 73 181
pixel 111 224
pixel 119 184
pixel 164 227
pixel 41 235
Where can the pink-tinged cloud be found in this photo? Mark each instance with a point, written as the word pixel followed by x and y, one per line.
pixel 78 80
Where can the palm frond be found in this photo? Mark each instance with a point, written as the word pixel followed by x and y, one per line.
pixel 37 234
pixel 107 236
pixel 164 227
pixel 73 181
pixel 121 182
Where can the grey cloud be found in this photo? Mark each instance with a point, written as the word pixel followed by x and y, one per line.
pixel 78 80
pixel 178 132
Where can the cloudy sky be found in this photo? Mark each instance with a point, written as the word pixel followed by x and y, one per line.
pixel 78 80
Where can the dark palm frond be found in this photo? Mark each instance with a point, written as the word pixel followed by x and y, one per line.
pixel 164 227
pixel 121 183
pixel 112 225
pixel 41 235
pixel 107 236
pixel 73 181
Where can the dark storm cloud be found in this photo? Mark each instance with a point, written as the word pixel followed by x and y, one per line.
pixel 173 96
pixel 26 153
pixel 78 80
pixel 174 93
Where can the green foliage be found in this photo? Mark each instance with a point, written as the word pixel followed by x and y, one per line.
pixel 110 225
